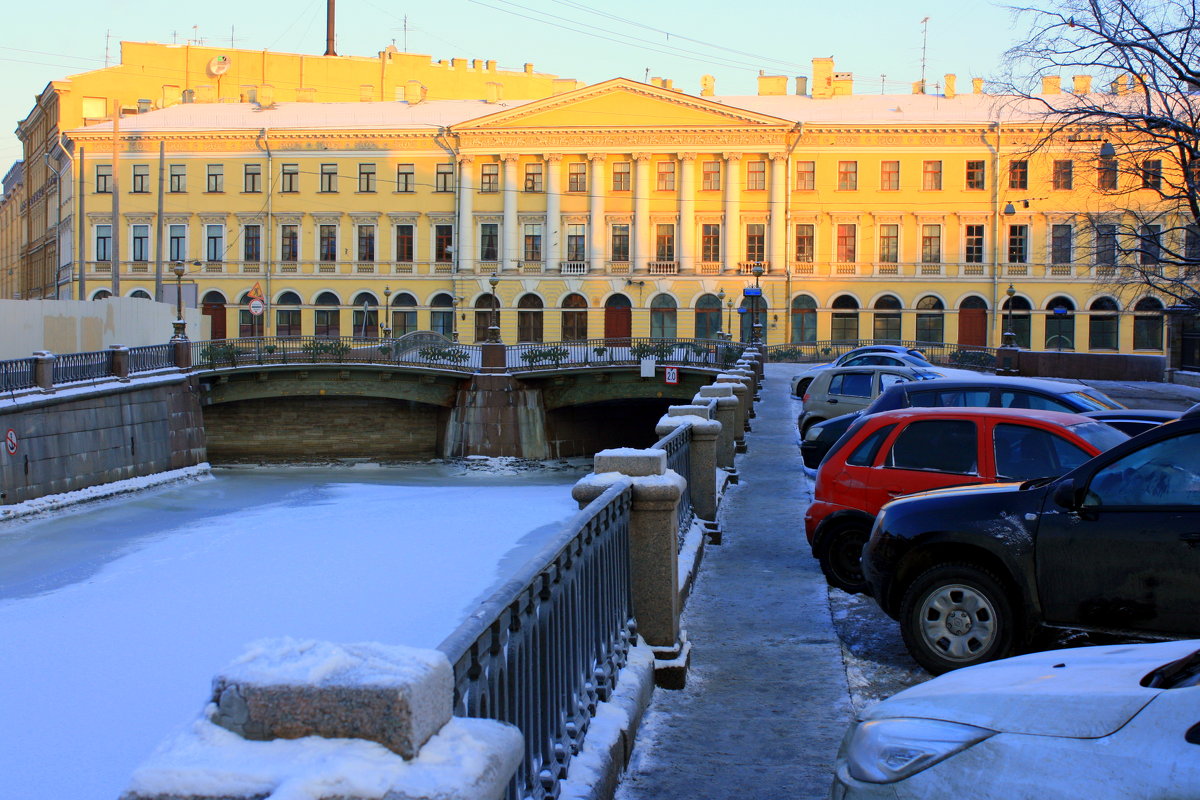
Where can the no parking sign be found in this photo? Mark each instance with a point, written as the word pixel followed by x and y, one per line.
pixel 10 442
pixel 671 375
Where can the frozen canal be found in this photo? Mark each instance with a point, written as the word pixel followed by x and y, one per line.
pixel 115 616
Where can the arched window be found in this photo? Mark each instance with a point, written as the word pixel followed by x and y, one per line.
pixel 618 318
pixel 1103 324
pixel 1017 318
pixel 1148 324
pixel 287 319
pixel 212 307
pixel 845 319
pixel 140 294
pixel 574 318
pixel 327 317
pixel 487 305
pixel 441 315
pixel 404 314
pixel 366 316
pixel 103 294
pixel 887 319
pixel 250 325
pixel 529 318
pixel 972 322
pixel 1060 324
pixel 931 320
pixel 708 316
pixel 662 317
pixel 804 319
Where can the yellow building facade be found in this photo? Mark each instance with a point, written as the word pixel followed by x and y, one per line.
pixel 618 209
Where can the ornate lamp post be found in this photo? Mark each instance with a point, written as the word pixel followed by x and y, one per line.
pixel 385 329
pixel 1009 338
pixel 720 302
pixel 729 328
pixel 179 325
pixel 494 329
pixel 756 320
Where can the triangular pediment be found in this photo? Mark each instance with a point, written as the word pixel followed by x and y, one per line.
pixel 622 103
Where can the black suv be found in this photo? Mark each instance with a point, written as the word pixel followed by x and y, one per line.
pixel 1112 546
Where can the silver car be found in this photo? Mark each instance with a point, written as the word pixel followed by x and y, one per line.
pixel 844 390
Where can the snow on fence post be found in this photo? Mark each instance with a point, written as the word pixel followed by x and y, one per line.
pixel 653 550
pixel 755 357
pixel 744 392
pixel 727 414
pixel 43 369
pixel 120 362
pixel 702 482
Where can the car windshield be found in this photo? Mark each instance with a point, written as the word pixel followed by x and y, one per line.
pixel 1099 435
pixel 1094 402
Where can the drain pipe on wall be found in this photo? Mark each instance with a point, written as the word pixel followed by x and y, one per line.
pixel 996 317
pixel 798 130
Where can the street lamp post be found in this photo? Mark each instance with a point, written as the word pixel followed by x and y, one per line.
pixel 756 320
pixel 1009 338
pixel 720 302
pixel 385 329
pixel 494 329
pixel 729 329
pixel 179 325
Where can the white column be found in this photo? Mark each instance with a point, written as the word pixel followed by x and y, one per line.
pixel 596 226
pixel 465 245
pixel 509 254
pixel 777 236
pixel 732 233
pixel 641 213
pixel 553 242
pixel 685 236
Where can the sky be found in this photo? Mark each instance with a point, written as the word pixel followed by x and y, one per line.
pixel 677 39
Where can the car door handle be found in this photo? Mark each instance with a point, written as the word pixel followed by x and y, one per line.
pixel 832 401
pixel 1192 539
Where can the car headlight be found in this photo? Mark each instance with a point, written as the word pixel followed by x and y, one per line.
pixel 813 433
pixel 886 750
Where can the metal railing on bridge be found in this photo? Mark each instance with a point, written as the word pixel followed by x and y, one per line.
pixel 415 349
pixel 17 374
pixel 74 367
pixel 678 446
pixel 937 353
pixel 592 352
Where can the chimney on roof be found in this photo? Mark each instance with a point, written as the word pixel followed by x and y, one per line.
pixel 1051 84
pixel 801 85
pixel 495 91
pixel 918 87
pixel 144 105
pixel 414 92
pixel 1118 85
pixel 329 51
pixel 822 78
pixel 1082 84
pixel 708 85
pixel 265 94
pixel 772 85
pixel 529 69
pixel 977 85
pixel 366 92
pixel 950 80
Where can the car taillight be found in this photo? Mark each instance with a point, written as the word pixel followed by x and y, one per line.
pixel 805 398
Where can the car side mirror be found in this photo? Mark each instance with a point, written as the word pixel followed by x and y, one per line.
pixel 1065 496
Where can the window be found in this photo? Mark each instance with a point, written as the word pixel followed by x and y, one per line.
pixel 366 242
pixel 806 176
pixel 846 240
pixel 931 176
pixel 249 325
pixel 844 319
pixel 405 243
pixel 289 178
pixel 864 454
pixel 847 176
pixel 177 178
pixel 1161 475
pixel 216 178
pixel 533 242
pixel 1018 244
pixel 443 242
pixel 1064 175
pixel 574 318
pixel 663 314
pixel 1149 244
pixel 327 241
pixel 666 176
pixel 576 177
pixel 1018 174
pixel 1017 319
pixel 941 445
pixel 404 314
pixel 443 179
pixel 177 242
pixel 851 384
pixel 710 176
pixel 1148 324
pixel 620 242
pixel 889 243
pixel 576 242
pixel 529 318
pixel 489 178
pixel 440 320
pixel 930 320
pixel 141 179
pixel 1106 174
pixel 974 244
pixel 533 178
pixel 327 321
pixel 140 237
pixel 104 242
pixel 804 243
pixel 329 178
pixel 1152 174
pixel 1060 324
pixel 756 242
pixel 804 319
pixel 103 178
pixel 1061 237
pixel 406 178
pixel 289 242
pixel 620 176
pixel 1024 453
pixel 756 176
pixel 1102 324
pixel 889 176
pixel 214 242
pixel 664 242
pixel 975 175
pixel 710 242
pixel 887 320
pixel 252 243
pixel 489 242
pixel 708 317
pixel 1191 243
pixel 931 244
pixel 252 178
pixel 287 320
pixel 1106 244
pixel 366 177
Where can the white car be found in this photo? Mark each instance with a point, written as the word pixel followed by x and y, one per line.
pixel 1119 722
pixel 898 356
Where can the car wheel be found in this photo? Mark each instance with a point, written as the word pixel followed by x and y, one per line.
pixel 802 387
pixel 956 615
pixel 840 553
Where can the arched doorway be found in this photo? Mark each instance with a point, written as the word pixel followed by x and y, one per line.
pixel 618 317
pixel 327 318
pixel 213 307
pixel 887 319
pixel 844 320
pixel 1060 324
pixel 1017 320
pixel 1148 324
pixel 662 317
pixel 250 325
pixel 441 315
pixel 972 322
pixel 485 306
pixel 751 308
pixel 931 320
pixel 708 316
pixel 404 314
pixel 287 314
pixel 1103 324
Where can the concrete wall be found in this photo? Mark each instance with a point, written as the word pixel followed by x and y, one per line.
pixel 1088 366
pixel 97 436
pixel 84 326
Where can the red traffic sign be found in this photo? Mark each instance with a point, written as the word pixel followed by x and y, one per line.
pixel 10 441
pixel 257 307
pixel 671 375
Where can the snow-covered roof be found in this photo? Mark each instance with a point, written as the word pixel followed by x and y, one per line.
pixel 877 109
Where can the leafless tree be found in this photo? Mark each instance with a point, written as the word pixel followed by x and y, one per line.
pixel 1134 132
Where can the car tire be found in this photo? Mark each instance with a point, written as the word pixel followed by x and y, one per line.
pixel 801 387
pixel 839 551
pixel 956 615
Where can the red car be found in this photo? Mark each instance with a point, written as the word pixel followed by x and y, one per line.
pixel 917 449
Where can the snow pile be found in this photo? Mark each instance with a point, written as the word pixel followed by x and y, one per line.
pixel 54 502
pixel 289 662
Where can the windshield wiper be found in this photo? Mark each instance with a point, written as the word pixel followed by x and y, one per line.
pixel 1165 676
